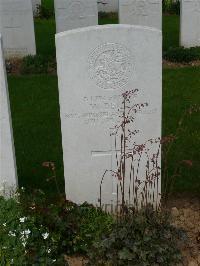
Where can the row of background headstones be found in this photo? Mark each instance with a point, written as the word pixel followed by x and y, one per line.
pixel 146 13
pixel 17 26
pixel 103 5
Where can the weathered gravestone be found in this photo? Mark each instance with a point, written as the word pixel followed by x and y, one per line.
pixel 95 66
pixel 190 23
pixel 36 4
pixel 108 5
pixel 141 12
pixel 8 180
pixel 17 28
pixel 72 14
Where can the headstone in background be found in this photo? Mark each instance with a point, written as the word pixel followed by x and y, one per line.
pixel 95 66
pixel 72 14
pixel 141 12
pixel 36 4
pixel 190 23
pixel 17 28
pixel 108 6
pixel 8 177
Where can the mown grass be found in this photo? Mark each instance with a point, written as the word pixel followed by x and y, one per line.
pixel 36 126
pixel 45 36
pixel 171 29
pixel 36 123
pixel 180 91
pixel 48 4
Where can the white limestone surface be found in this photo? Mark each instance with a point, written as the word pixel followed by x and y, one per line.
pixel 95 66
pixel 108 6
pixel 17 28
pixel 72 14
pixel 36 4
pixel 8 176
pixel 141 12
pixel 190 23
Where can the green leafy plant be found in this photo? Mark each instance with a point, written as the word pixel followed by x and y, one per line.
pixel 182 55
pixel 77 227
pixel 37 64
pixel 144 238
pixel 22 240
pixel 36 232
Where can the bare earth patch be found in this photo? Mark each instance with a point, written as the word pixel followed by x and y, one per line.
pixel 13 66
pixel 168 64
pixel 186 215
pixel 76 261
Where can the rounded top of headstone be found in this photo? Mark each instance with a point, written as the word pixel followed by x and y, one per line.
pixel 107 27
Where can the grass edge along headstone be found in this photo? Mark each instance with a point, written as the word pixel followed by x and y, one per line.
pixel 143 13
pixel 72 14
pixel 17 28
pixel 190 23
pixel 95 66
pixel 8 174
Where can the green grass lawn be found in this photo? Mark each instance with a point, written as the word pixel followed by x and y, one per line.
pixel 180 91
pixel 45 36
pixel 171 25
pixel 48 4
pixel 36 123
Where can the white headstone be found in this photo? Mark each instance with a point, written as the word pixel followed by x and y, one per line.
pixel 36 4
pixel 108 6
pixel 72 14
pixel 141 12
pixel 190 23
pixel 17 28
pixel 95 66
pixel 8 179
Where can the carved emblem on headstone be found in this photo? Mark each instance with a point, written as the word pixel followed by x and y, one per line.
pixel 110 65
